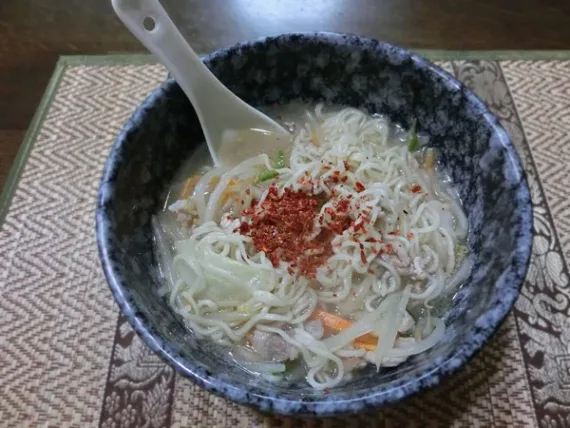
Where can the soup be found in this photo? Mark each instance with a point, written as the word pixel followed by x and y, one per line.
pixel 335 251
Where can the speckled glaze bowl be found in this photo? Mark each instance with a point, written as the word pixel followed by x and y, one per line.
pixel 338 69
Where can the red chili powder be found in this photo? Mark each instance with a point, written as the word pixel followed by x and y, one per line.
pixel 416 188
pixel 359 187
pixel 282 229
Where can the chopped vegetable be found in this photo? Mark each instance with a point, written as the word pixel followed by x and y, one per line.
pixel 421 346
pixel 214 181
pixel 315 128
pixel 362 327
pixel 388 331
pixel 228 192
pixel 263 367
pixel 331 321
pixel 413 142
pixel 364 345
pixel 429 160
pixel 233 182
pixel 460 251
pixel 338 324
pixel 280 161
pixel 225 278
pixel 189 187
pixel 268 174
pixel 246 308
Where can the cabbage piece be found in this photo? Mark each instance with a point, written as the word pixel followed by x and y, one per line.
pixel 224 278
pixel 366 324
pixel 423 345
pixel 460 275
pixel 263 367
pixel 164 256
pixel 388 331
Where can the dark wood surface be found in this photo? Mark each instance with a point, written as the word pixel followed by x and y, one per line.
pixel 34 33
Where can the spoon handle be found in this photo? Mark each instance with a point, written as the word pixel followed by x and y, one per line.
pixel 150 23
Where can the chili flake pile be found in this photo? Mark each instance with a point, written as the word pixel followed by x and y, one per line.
pixel 282 227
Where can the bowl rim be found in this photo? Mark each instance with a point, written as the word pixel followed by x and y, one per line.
pixel 433 371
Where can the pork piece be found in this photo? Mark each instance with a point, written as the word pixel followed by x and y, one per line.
pixel 315 328
pixel 272 347
pixel 402 259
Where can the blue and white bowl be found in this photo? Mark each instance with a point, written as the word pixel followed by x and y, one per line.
pixel 335 69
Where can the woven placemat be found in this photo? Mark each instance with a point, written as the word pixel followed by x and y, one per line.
pixel 68 358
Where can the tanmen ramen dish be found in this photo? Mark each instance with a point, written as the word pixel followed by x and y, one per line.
pixel 361 261
pixel 340 250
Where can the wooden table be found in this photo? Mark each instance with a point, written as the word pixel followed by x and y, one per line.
pixel 34 33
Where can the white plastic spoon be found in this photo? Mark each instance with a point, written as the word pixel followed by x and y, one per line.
pixel 233 129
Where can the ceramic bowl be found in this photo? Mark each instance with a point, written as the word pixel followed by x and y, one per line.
pixel 334 69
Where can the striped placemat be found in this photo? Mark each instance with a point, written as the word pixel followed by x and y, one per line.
pixel 69 359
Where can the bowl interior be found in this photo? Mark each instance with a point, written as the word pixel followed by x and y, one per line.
pixel 333 69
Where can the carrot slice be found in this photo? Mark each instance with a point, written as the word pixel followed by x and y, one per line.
pixel 233 182
pixel 228 193
pixel 189 187
pixel 214 182
pixel 191 183
pixel 363 345
pixel 367 341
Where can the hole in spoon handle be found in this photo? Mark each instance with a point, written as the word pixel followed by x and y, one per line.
pixel 142 17
pixel 149 24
